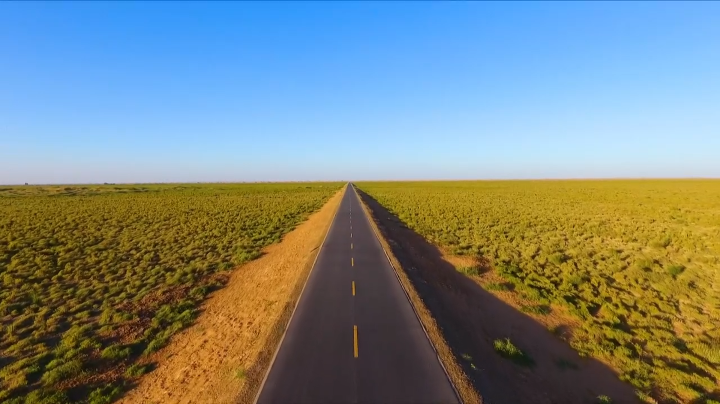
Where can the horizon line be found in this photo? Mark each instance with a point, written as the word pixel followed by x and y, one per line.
pixel 365 180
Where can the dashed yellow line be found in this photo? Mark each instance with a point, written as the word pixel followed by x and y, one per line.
pixel 353 285
pixel 351 246
pixel 356 341
pixel 352 261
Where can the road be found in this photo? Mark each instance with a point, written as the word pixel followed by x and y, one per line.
pixel 354 337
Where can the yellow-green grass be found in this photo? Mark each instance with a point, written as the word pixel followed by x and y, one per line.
pixel 94 279
pixel 637 261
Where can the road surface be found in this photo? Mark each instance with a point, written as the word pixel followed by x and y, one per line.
pixel 354 337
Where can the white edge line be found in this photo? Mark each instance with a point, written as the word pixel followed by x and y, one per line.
pixel 407 296
pixel 272 360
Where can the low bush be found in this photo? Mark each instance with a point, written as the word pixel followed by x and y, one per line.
pixel 675 270
pixel 104 395
pixel 135 370
pixel 506 349
pixel 503 286
pixel 539 309
pixel 62 372
pixel 470 271
pixel 115 353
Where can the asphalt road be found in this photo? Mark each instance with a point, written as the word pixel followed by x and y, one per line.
pixel 354 337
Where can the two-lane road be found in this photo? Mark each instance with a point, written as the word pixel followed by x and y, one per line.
pixel 354 337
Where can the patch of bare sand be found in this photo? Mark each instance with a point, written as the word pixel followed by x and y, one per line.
pixel 469 319
pixel 224 355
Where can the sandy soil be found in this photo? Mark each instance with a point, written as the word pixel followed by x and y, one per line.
pixel 223 357
pixel 470 319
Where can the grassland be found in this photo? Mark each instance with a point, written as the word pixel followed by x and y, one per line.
pixel 95 279
pixel 635 263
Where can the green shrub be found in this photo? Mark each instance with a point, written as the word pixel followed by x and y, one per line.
pixel 115 353
pixel 470 271
pixel 709 352
pixel 644 263
pixel 104 395
pixel 246 256
pixel 506 349
pixel 662 242
pixel 603 399
pixel 539 309
pixel 675 269
pixel 62 372
pixel 46 397
pixel 155 345
pixel 199 292
pixel 135 370
pixel 557 258
pixel 576 279
pixel 498 286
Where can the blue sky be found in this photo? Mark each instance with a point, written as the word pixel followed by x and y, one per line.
pixel 172 92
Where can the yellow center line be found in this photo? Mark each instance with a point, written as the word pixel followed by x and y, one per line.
pixel 353 284
pixel 351 247
pixel 356 342
pixel 352 261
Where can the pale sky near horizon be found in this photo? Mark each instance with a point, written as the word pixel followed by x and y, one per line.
pixel 186 92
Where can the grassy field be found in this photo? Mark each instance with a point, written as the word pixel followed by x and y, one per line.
pixel 635 263
pixel 94 279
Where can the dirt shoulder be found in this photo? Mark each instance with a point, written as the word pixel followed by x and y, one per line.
pixel 463 320
pixel 224 355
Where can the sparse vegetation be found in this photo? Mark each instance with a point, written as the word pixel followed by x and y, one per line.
pixel 93 277
pixel 499 286
pixel 603 399
pixel 470 271
pixel 135 370
pixel 541 309
pixel 637 262
pixel 506 349
pixel 104 395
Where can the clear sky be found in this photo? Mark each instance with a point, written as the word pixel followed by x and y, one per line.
pixel 156 92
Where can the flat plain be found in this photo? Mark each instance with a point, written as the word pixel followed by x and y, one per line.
pixel 95 279
pixel 624 271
